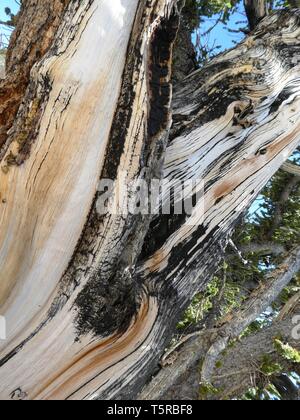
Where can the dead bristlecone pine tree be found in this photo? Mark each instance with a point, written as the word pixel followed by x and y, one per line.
pixel 91 297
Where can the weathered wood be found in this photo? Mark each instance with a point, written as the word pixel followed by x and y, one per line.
pixel 88 313
pixel 83 85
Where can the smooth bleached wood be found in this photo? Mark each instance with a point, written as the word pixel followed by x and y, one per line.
pixel 55 187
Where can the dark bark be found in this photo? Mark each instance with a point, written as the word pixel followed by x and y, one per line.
pixel 256 10
pixel 184 56
pixel 288 390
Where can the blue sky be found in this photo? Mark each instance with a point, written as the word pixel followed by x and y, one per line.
pixel 12 4
pixel 222 37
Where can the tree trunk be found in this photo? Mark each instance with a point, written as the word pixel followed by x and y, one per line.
pixel 256 10
pixel 91 300
pixel 240 368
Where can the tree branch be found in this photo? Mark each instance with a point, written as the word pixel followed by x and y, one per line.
pixel 289 307
pixel 239 368
pixel 209 344
pixel 257 303
pixel 266 248
pixel 292 183
pixel 243 365
pixel 291 168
